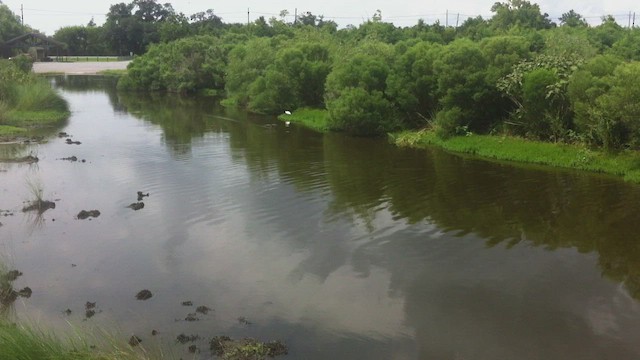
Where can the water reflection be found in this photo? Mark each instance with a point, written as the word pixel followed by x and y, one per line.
pixel 346 248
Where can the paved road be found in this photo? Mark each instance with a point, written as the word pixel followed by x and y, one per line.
pixel 78 68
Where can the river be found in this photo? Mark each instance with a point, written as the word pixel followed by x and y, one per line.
pixel 340 247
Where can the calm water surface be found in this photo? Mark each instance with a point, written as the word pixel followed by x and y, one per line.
pixel 341 247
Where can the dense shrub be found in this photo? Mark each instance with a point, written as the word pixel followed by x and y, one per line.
pixel 185 65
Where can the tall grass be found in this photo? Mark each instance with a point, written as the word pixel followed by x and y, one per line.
pixel 38 96
pixel 18 342
pixel 625 164
pixel 27 101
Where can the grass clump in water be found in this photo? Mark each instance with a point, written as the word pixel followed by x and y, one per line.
pixel 625 163
pixel 315 119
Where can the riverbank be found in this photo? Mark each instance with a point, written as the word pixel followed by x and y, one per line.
pixel 27 102
pixel 625 164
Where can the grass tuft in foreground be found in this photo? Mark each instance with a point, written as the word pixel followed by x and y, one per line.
pixel 18 342
pixel 625 164
pixel 315 119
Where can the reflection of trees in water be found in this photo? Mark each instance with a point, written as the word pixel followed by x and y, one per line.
pixel 499 203
pixel 88 83
pixel 181 118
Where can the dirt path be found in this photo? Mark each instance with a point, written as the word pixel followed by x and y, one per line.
pixel 78 68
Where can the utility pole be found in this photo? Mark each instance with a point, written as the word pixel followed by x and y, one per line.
pixel 295 16
pixel 248 18
pixel 446 19
pixel 634 20
pixel 457 20
pixel 22 14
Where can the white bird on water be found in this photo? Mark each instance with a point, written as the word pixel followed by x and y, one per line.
pixel 287 112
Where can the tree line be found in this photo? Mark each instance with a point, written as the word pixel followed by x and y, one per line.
pixel 518 72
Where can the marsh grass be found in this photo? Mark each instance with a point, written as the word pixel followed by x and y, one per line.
pixel 625 164
pixel 7 130
pixel 315 119
pixel 20 342
pixel 31 119
pixel 38 96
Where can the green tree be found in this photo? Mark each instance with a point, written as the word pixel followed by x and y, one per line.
pixel 82 40
pixel 569 42
pixel 247 62
pixel 524 87
pixel 606 34
pixel 619 108
pixel 186 65
pixel 10 24
pixel 356 91
pixel 132 27
pixel 461 68
pixel 519 13
pixel 412 83
pixel 573 19
pixel 585 86
pixel 628 47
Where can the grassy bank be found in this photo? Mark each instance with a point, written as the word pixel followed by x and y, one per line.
pixel 115 73
pixel 27 101
pixel 625 164
pixel 315 119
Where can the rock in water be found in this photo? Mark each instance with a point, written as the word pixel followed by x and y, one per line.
pixel 144 295
pixel 136 206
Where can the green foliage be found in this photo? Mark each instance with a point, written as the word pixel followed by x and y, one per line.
pixel 247 62
pixel 624 164
pixel 606 34
pixel 538 88
pixel 568 42
pixel 573 19
pixel 26 100
pixel 618 110
pixel 362 113
pixel 412 83
pixel 82 40
pixel 295 79
pixel 316 119
pixel 23 62
pixel 10 24
pixel 186 65
pixel 628 47
pixel 585 86
pixel 355 92
pixel 461 68
pixel 450 123
pixel 19 342
pixel 519 13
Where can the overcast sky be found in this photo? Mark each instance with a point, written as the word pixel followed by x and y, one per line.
pixel 48 15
